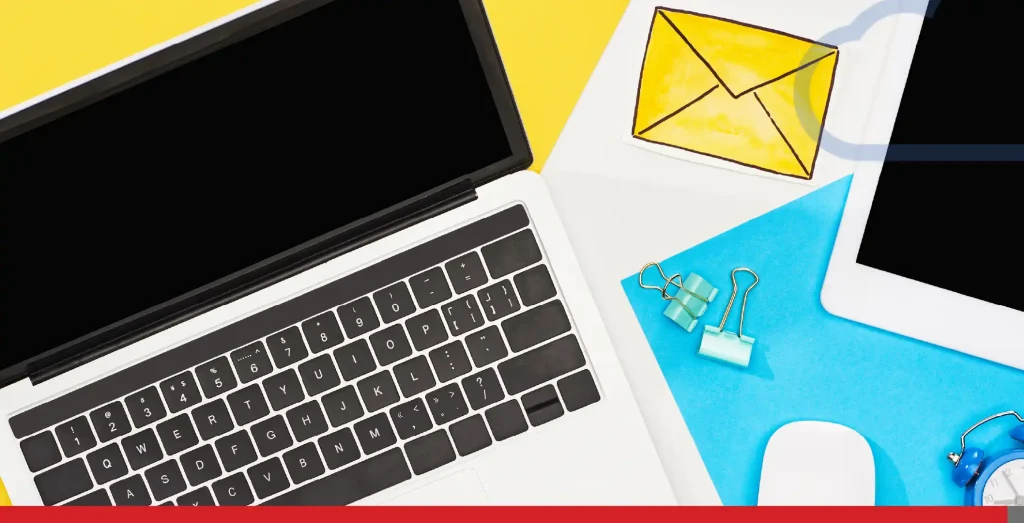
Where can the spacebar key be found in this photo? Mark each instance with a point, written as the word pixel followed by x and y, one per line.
pixel 350 485
pixel 542 364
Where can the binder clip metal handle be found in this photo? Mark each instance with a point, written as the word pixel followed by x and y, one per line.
pixel 726 346
pixel 690 300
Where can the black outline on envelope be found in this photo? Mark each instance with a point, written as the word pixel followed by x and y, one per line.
pixel 721 83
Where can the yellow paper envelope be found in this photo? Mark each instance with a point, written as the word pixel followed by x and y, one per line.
pixel 729 90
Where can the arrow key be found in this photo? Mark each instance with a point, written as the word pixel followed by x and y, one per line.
pixel 411 419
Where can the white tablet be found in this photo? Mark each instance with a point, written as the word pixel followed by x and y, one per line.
pixel 932 239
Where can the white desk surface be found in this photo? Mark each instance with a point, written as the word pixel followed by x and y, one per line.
pixel 620 203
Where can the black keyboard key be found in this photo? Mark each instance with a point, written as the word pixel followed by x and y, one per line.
pixel 215 377
pixel 339 448
pixel 200 465
pixel 212 419
pixel 378 391
pixel 233 491
pixel 63 482
pixel 542 405
pixel 142 449
pixel 303 463
pixel 506 420
pixel 130 492
pixel 430 452
pixel 271 436
pixel 283 389
pixel 40 451
pixel 463 315
pixel 319 375
pixel 75 436
pixel 251 362
pixel 486 346
pixel 145 407
pixel 578 390
pixel 498 300
pixel 542 364
pixel 342 406
pixel 394 302
pixel 165 480
pixel 470 435
pixel 536 325
pixel 426 330
pixel 236 450
pixel 375 433
pixel 351 484
pixel 96 498
pixel 358 317
pixel 248 405
pixel 322 332
pixel 107 464
pixel 307 421
pixel 180 392
pixel 355 360
pixel 411 419
pixel 430 287
pixel 414 376
pixel 391 345
pixel 268 478
pixel 287 347
pixel 110 422
pixel 512 253
pixel 483 389
pixel 447 404
pixel 177 434
pixel 535 285
pixel 200 497
pixel 450 361
pixel 466 272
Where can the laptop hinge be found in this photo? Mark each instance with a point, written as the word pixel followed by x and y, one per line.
pixel 357 236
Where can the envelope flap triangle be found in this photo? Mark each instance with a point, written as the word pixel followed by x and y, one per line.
pixel 745 57
pixel 673 76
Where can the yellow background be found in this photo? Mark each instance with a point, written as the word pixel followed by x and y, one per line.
pixel 549 47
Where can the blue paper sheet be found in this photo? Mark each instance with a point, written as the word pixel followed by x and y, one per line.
pixel 909 399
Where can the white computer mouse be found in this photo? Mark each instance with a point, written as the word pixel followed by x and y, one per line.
pixel 813 463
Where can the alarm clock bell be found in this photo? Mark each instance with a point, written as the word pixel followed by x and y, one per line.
pixel 967 464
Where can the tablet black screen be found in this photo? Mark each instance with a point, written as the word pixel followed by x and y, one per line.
pixel 957 222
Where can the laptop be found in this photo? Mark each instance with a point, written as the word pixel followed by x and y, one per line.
pixel 293 258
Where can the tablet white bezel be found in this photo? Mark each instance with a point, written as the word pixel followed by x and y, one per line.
pixel 895 303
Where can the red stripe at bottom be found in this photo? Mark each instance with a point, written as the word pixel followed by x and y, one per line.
pixel 503 514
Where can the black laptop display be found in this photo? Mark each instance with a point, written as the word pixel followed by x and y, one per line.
pixel 309 127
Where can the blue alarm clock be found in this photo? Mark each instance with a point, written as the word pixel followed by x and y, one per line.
pixel 996 480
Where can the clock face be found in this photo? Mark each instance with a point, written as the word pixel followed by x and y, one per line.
pixel 1005 487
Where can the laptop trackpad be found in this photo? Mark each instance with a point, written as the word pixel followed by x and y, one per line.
pixel 461 488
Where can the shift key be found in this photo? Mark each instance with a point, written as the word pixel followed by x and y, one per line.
pixel 536 325
pixel 541 365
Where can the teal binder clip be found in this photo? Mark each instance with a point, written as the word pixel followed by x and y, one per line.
pixel 690 300
pixel 725 346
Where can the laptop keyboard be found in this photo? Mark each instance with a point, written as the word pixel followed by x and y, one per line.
pixel 443 361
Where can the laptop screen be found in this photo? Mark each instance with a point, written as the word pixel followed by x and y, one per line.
pixel 240 155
